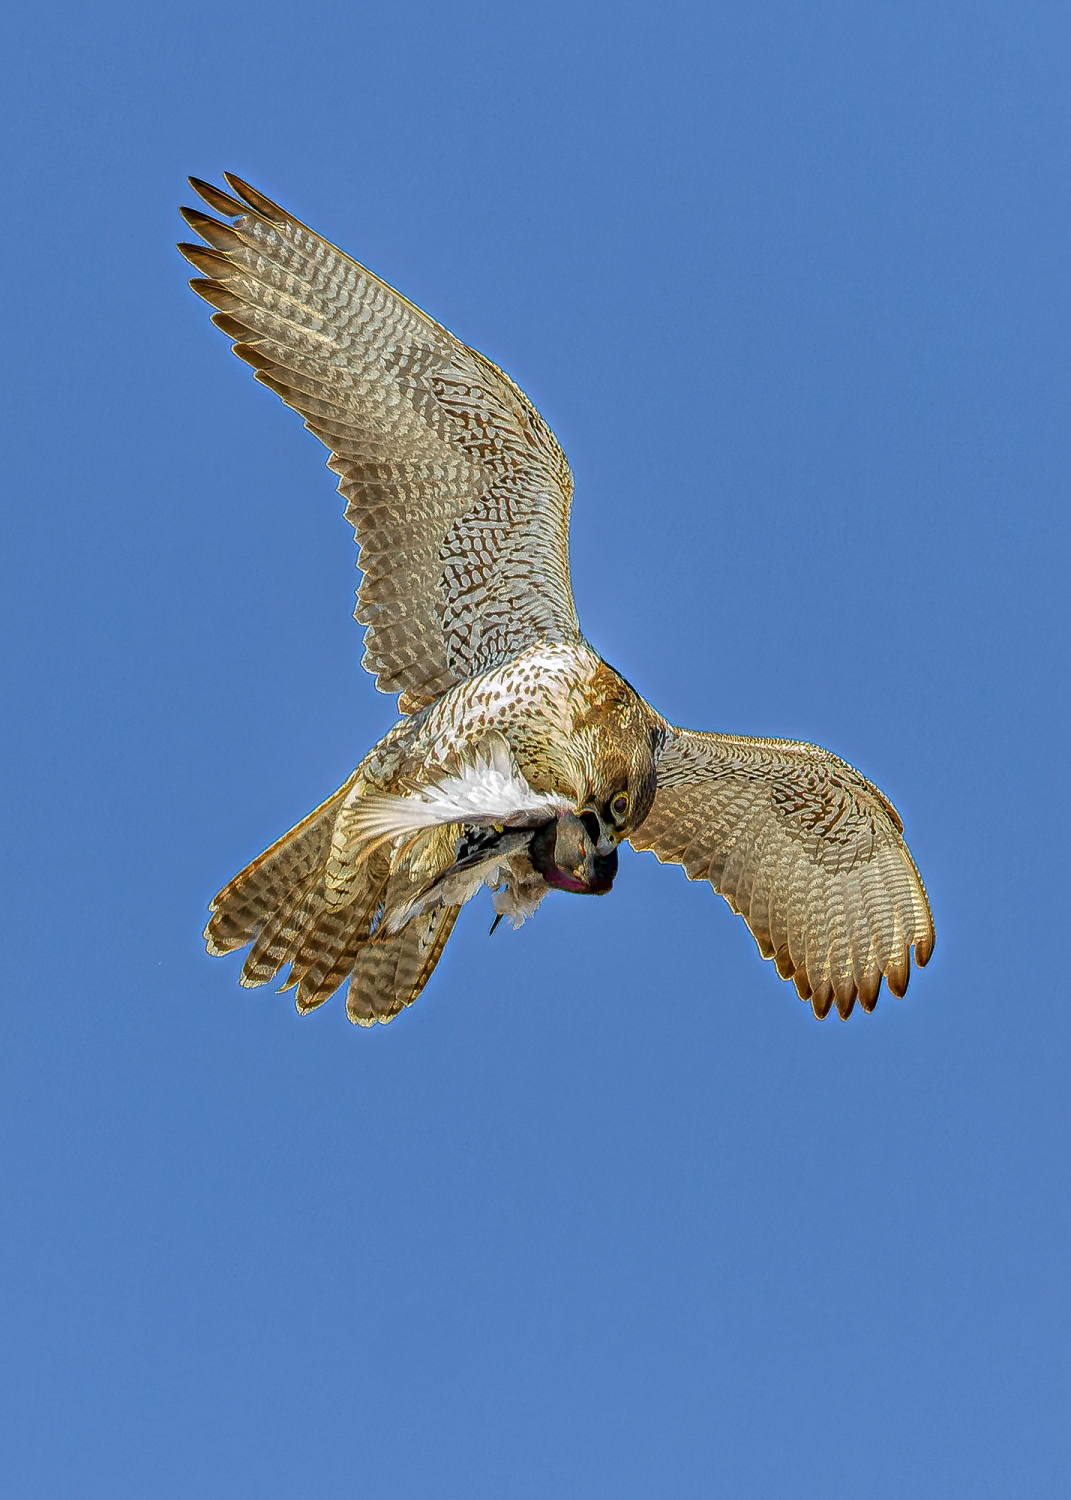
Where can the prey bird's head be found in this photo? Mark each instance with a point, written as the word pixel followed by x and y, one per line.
pixel 611 756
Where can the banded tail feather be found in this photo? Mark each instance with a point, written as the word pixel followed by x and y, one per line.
pixel 280 905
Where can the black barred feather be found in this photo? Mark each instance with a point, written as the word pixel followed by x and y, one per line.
pixel 390 972
pixel 243 906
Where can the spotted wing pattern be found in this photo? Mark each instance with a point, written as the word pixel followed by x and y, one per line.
pixel 806 850
pixel 456 488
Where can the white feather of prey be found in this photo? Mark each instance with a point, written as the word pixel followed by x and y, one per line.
pixel 487 787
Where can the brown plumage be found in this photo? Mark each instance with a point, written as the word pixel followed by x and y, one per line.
pixel 521 760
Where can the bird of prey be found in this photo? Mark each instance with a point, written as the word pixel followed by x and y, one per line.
pixel 521 760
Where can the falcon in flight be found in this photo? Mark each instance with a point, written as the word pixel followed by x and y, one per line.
pixel 521 759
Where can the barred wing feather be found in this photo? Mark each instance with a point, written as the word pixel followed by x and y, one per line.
pixel 806 850
pixel 456 488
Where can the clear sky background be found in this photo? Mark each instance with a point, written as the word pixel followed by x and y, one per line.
pixel 607 1213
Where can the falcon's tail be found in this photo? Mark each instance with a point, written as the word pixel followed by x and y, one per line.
pixel 279 905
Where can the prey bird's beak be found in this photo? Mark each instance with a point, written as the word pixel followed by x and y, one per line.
pixel 573 856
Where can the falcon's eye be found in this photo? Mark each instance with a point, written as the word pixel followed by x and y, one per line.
pixel 619 807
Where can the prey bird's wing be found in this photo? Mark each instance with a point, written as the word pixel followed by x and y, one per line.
pixel 456 488
pixel 806 850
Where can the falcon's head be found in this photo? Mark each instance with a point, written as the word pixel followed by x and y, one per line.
pixel 609 765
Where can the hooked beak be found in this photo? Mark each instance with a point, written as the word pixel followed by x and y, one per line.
pixel 573 856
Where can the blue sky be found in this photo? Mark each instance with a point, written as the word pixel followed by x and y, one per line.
pixel 607 1213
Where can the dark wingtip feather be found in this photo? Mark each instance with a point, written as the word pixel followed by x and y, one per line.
pixel 898 974
pixel 845 1002
pixel 764 942
pixel 220 236
pixel 216 198
pixel 231 326
pixel 822 1000
pixel 252 356
pixel 215 293
pixel 209 262
pixel 869 986
pixel 280 387
pixel 257 201
pixel 924 949
pixel 783 963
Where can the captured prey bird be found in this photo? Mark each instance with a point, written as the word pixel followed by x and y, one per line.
pixel 521 760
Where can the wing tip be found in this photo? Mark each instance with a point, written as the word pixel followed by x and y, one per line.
pixel 210 262
pixel 216 198
pixel 823 994
pixel 924 948
pixel 256 201
pixel 248 200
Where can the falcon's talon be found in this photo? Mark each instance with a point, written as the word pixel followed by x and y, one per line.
pixel 523 760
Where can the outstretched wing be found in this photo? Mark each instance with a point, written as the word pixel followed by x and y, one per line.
pixel 809 853
pixel 456 488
